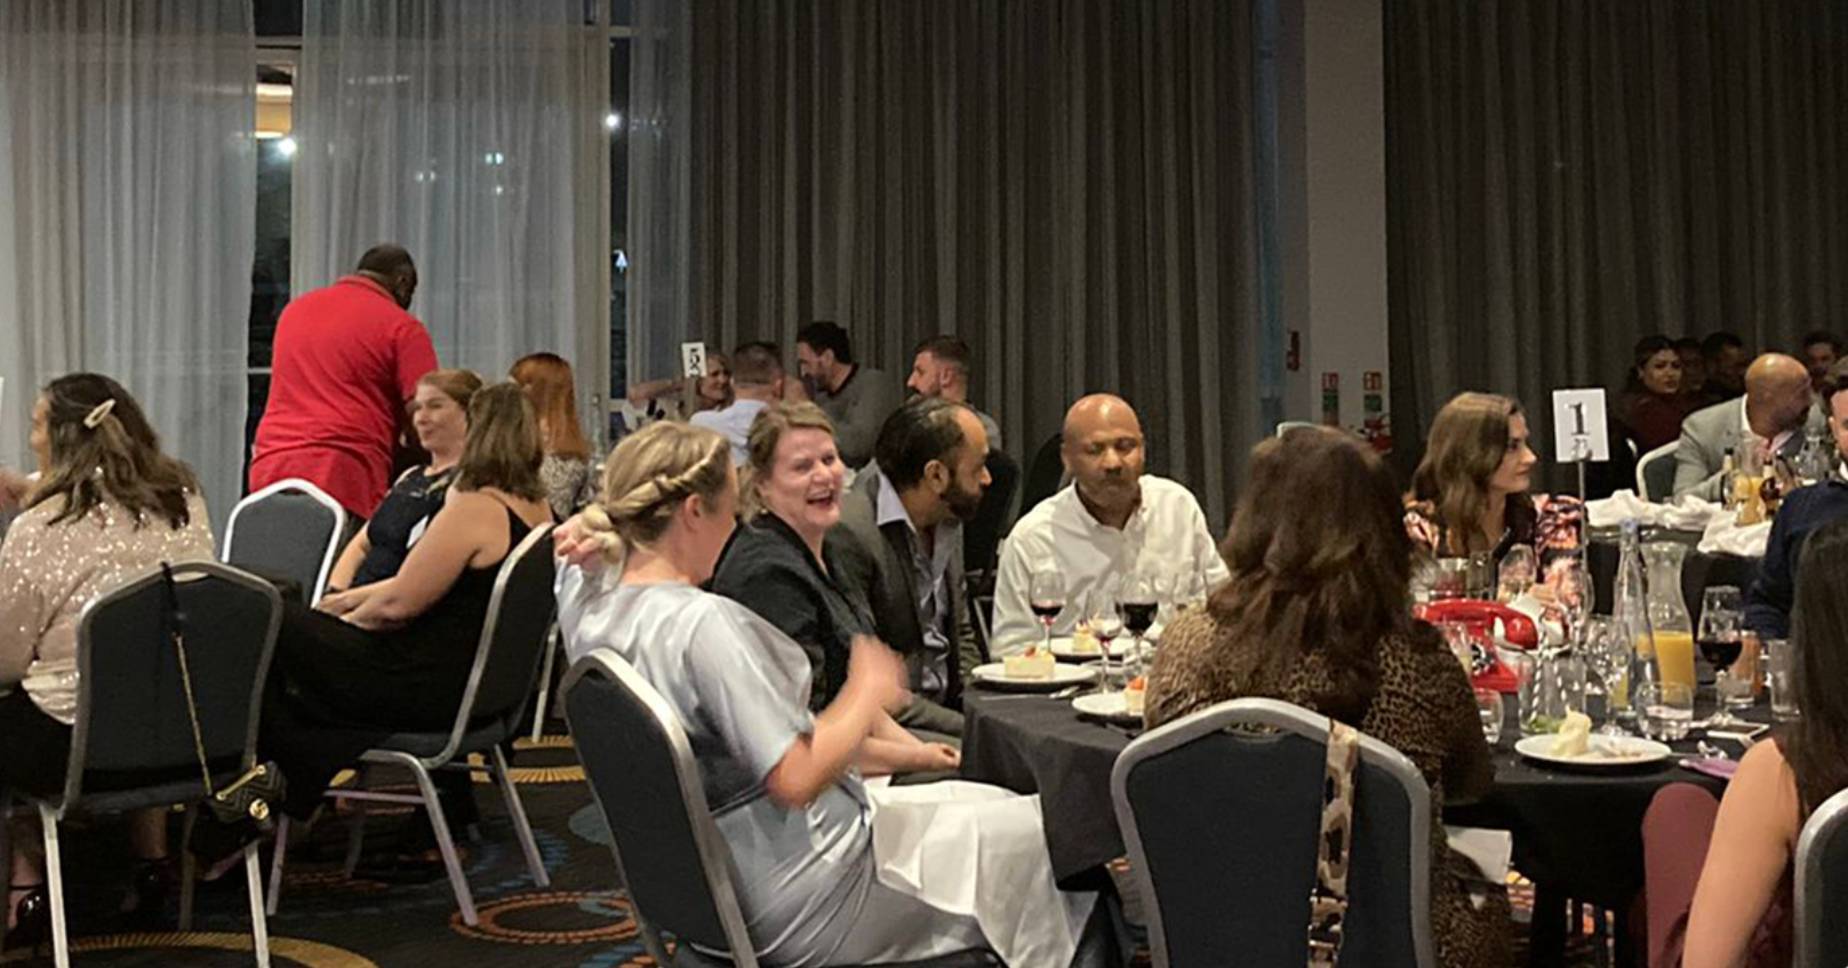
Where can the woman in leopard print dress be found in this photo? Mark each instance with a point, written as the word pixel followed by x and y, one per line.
pixel 1317 613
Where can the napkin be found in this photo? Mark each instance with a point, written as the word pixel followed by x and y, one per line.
pixel 1723 769
pixel 1686 512
pixel 1490 850
pixel 1725 536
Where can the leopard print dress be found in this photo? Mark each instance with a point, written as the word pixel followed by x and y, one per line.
pixel 1424 709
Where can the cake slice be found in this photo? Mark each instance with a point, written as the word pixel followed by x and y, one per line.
pixel 1034 663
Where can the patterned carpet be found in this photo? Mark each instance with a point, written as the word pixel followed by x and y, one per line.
pixel 326 921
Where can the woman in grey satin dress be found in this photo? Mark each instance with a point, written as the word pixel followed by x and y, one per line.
pixel 784 783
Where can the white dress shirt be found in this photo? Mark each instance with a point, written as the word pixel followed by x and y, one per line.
pixel 1167 534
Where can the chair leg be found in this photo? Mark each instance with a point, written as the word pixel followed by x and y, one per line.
pixel 552 645
pixel 446 844
pixel 521 827
pixel 356 836
pixel 259 920
pixel 189 870
pixel 54 880
pixel 276 862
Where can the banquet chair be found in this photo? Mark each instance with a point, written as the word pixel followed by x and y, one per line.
pixel 513 641
pixel 1822 885
pixel 1655 473
pixel 1045 475
pixel 668 852
pixel 133 746
pixel 1219 891
pixel 290 529
pixel 982 534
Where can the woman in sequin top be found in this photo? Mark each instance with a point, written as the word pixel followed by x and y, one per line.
pixel 108 505
pixel 547 380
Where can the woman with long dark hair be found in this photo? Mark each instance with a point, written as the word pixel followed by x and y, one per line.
pixel 108 505
pixel 1315 614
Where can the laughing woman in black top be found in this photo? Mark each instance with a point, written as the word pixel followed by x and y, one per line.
pixel 781 566
pixel 394 655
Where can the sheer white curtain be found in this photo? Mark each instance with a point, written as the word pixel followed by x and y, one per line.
pixel 471 132
pixel 128 215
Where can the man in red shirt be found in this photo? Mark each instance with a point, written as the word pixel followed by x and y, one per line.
pixel 346 362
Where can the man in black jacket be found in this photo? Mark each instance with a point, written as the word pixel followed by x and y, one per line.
pixel 901 547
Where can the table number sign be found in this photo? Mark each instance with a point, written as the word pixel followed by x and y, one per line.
pixel 1580 430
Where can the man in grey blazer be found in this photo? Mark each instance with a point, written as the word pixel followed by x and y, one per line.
pixel 900 544
pixel 1770 418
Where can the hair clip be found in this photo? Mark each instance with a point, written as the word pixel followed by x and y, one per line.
pixel 95 417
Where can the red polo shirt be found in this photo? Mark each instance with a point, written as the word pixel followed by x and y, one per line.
pixel 347 359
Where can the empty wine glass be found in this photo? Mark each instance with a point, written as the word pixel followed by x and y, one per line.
pixel 1106 626
pixel 1518 571
pixel 1608 654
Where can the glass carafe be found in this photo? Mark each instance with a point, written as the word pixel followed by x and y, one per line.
pixel 1671 630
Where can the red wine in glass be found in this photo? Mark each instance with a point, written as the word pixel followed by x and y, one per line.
pixel 1138 617
pixel 1722 650
pixel 1046 612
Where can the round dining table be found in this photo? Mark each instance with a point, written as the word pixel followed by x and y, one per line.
pixel 1576 834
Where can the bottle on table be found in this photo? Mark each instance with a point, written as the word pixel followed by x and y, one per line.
pixel 1630 616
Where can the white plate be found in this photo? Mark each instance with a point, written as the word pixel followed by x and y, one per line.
pixel 1065 648
pixel 1607 752
pixel 1107 706
pixel 994 676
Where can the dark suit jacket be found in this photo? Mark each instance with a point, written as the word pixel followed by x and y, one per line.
pixel 877 563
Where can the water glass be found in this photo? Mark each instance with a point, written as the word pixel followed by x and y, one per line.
pixel 1780 674
pixel 1548 686
pixel 1489 707
pixel 1665 710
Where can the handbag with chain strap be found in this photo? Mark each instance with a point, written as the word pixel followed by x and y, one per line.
pixel 248 798
pixel 1328 900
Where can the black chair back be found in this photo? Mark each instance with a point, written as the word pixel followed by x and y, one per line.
pixel 1822 885
pixel 982 535
pixel 290 529
pixel 514 638
pixel 1222 823
pixel 132 716
pixel 646 782
pixel 1045 474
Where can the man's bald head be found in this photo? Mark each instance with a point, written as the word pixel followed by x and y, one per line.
pixel 1102 449
pixel 1100 410
pixel 1777 393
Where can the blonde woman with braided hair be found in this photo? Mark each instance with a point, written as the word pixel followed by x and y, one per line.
pixel 108 505
pixel 782 781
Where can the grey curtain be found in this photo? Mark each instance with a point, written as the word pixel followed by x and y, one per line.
pixel 1068 185
pixel 1563 178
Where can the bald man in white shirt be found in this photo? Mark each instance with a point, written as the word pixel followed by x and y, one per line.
pixel 1111 521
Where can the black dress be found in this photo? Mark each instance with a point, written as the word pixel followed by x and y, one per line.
pixel 336 690
pixel 399 522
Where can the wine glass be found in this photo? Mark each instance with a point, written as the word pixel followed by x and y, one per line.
pixel 1573 593
pixel 1721 639
pixel 1106 625
pixel 1138 600
pixel 1046 596
pixel 1517 573
pixel 1608 655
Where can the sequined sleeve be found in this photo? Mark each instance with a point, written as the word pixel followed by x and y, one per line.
pixel 22 601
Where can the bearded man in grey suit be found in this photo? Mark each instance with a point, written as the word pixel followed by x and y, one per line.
pixel 1770 420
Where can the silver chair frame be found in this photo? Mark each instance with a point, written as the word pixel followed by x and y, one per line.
pixel 1826 823
pixel 715 854
pixel 319 497
pixel 1664 452
pixel 421 768
pixel 51 814
pixel 1288 718
pixel 554 645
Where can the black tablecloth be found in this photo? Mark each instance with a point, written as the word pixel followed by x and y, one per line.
pixel 1579 834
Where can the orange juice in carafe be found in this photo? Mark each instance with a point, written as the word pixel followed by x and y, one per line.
pixel 1674 655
